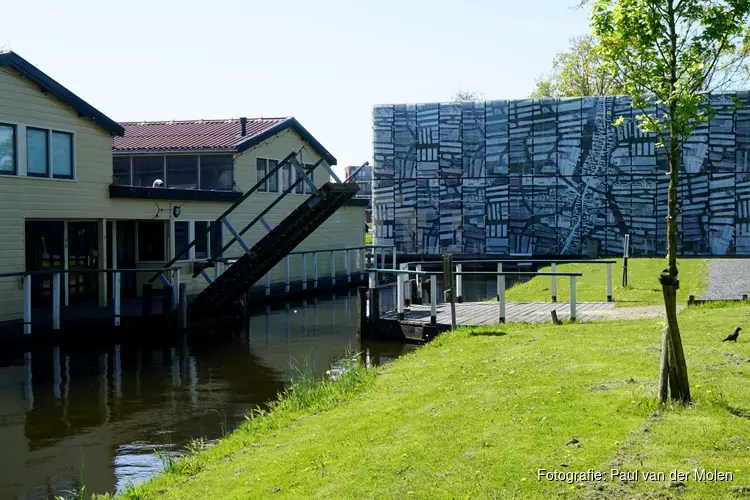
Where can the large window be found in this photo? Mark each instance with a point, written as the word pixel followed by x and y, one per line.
pixel 147 170
pixel 45 148
pixel 151 241
pixel 286 176
pixel 261 167
pixel 308 188
pixel 7 149
pixel 217 172
pixel 182 172
pixel 37 156
pixel 206 244
pixel 273 182
pixel 208 172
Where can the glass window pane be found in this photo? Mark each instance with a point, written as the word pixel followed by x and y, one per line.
pixel 286 176
pixel 261 166
pixel 36 152
pixel 273 182
pixel 217 172
pixel 7 149
pixel 62 155
pixel 147 170
pixel 299 188
pixel 181 239
pixel 121 170
pixel 311 175
pixel 201 240
pixel 151 241
pixel 182 172
pixel 217 241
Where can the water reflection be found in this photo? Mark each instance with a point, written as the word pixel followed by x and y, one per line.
pixel 109 406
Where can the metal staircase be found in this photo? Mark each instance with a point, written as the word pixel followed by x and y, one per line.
pixel 271 249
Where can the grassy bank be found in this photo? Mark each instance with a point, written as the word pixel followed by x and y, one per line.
pixel 478 411
pixel 643 287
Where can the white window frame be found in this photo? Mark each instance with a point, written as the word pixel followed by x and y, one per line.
pixel 191 237
pixel 21 160
pixel 16 154
pixel 279 178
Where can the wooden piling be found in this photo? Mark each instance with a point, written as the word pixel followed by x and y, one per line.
pixel 183 305
pixel 147 304
pixel 167 300
pixel 361 311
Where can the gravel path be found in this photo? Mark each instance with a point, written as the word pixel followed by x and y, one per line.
pixel 728 279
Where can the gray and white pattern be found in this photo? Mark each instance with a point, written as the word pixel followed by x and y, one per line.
pixel 555 177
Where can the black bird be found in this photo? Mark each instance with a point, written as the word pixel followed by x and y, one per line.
pixel 733 336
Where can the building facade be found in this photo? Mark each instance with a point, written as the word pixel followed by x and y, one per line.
pixel 555 177
pixel 363 178
pixel 80 192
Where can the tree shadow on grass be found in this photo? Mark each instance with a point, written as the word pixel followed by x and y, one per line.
pixel 487 333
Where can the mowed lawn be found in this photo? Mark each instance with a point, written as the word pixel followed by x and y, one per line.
pixel 643 282
pixel 477 412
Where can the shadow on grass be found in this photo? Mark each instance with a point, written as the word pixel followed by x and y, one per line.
pixel 487 333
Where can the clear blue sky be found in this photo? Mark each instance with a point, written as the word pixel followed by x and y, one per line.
pixel 326 62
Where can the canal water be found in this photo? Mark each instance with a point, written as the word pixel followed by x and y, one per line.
pixel 107 409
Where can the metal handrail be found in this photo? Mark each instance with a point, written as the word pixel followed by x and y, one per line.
pixel 85 270
pixel 512 261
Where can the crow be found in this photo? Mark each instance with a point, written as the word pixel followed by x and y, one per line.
pixel 733 336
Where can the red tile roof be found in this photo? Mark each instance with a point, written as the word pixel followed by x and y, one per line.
pixel 188 135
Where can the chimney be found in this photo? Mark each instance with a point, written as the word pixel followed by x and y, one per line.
pixel 243 122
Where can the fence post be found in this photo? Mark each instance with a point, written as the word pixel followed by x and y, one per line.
pixel 449 286
pixel 433 299
pixel 419 281
pixel 287 285
pixel 315 269
pixel 333 268
pixel 459 283
pixel 609 282
pixel 394 257
pixel 572 298
pixel 175 287
pixel 361 311
pixel 183 306
pixel 56 301
pixel 382 258
pixel 217 270
pixel 268 283
pixel 499 270
pixel 147 306
pixel 400 295
pixel 501 296
pixel 362 263
pixel 27 304
pixel 304 271
pixel 348 267
pixel 116 297
pixel 554 282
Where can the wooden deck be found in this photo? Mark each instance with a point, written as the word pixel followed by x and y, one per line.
pixel 486 313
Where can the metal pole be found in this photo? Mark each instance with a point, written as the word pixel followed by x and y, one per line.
pixel 304 271
pixel 501 296
pixel 333 269
pixel 286 274
pixel 394 257
pixel 348 267
pixel 315 270
pixel 554 282
pixel 116 297
pixel 27 304
pixel 268 283
pixel 572 298
pixel 362 263
pixel 217 271
pixel 56 301
pixel 499 269
pixel 609 282
pixel 400 295
pixel 433 299
pixel 175 288
pixel 418 279
pixel 459 284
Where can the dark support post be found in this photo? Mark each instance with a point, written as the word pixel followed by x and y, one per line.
pixel 183 306
pixel 361 311
pixel 416 297
pixel 449 291
pixel 167 300
pixel 147 306
pixel 625 255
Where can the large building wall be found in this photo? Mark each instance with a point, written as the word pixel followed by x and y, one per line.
pixel 555 177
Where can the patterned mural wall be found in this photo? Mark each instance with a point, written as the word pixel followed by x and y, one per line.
pixel 554 177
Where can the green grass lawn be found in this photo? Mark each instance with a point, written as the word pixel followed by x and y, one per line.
pixel 643 284
pixel 477 412
pixel 368 238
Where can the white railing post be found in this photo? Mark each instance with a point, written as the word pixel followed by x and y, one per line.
pixel 407 284
pixel 304 271
pixel 348 267
pixel 116 297
pixel 175 288
pixel 433 299
pixel 382 258
pixel 287 285
pixel 56 301
pixel 418 279
pixel 27 304
pixel 572 298
pixel 501 296
pixel 394 257
pixel 499 269
pixel 362 263
pixel 373 277
pixel 333 268
pixel 400 295
pixel 459 283
pixel 609 282
pixel 315 269
pixel 268 283
pixel 217 270
pixel 554 282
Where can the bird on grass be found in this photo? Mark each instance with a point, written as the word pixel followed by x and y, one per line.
pixel 733 336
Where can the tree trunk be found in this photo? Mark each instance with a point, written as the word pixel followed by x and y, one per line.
pixel 663 390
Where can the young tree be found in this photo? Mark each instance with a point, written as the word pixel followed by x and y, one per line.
pixel 579 71
pixel 670 53
pixel 467 95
